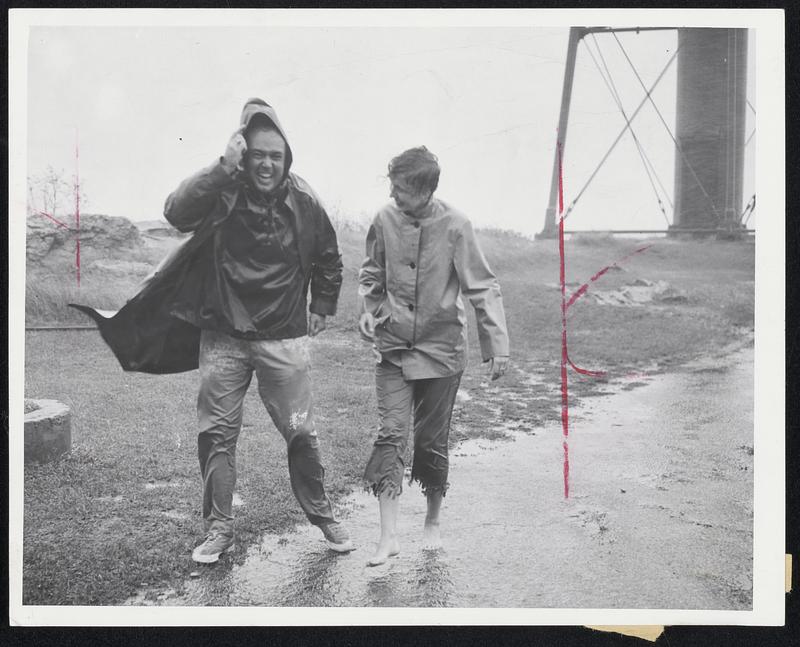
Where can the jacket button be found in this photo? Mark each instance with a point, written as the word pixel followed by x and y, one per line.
pixel 411 306
pixel 412 265
pixel 408 344
pixel 416 224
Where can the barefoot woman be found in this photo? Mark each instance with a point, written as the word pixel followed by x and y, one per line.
pixel 422 260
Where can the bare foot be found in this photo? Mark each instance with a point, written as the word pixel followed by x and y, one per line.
pixel 431 539
pixel 385 550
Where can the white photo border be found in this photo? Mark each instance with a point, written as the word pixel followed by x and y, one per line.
pixel 769 441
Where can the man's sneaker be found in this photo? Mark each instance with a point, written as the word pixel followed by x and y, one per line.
pixel 215 544
pixel 336 536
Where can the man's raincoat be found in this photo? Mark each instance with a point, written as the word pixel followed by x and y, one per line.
pixel 145 335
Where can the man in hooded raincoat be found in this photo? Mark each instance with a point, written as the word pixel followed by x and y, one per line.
pixel 232 301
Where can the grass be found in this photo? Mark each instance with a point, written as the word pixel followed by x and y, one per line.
pixel 51 286
pixel 122 509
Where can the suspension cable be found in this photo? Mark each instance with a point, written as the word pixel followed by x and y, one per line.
pixel 754 130
pixel 669 130
pixel 749 209
pixel 639 147
pixel 622 132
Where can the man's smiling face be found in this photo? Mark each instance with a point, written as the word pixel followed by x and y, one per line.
pixel 265 160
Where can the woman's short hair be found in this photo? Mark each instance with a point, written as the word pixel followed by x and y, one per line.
pixel 418 167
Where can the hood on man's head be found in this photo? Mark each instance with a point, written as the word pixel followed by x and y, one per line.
pixel 256 106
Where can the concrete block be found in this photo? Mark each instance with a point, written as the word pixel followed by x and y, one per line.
pixel 47 430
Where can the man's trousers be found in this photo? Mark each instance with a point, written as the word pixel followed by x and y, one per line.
pixel 282 368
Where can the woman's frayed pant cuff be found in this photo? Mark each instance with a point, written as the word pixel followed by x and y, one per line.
pixel 427 488
pixel 386 486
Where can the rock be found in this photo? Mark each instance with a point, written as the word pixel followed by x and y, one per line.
pixel 165 595
pixel 101 237
pixel 671 295
pixel 47 431
pixel 638 293
pixel 159 229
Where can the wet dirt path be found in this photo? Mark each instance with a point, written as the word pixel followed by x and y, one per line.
pixel 659 516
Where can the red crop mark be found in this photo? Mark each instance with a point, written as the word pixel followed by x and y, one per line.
pixel 77 229
pixel 77 214
pixel 585 287
pixel 564 354
pixel 55 220
pixel 565 305
pixel 560 182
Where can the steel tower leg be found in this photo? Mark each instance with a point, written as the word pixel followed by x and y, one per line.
pixel 575 34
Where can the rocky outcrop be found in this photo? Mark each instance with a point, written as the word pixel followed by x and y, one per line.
pixel 102 237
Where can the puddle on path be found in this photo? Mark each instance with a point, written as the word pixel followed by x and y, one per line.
pixel 647 524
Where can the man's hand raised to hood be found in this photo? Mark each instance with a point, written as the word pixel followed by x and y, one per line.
pixel 234 152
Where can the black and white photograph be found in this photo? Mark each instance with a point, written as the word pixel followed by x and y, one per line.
pixel 325 317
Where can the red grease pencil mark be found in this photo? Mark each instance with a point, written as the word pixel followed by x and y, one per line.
pixel 585 371
pixel 565 305
pixel 560 182
pixel 585 287
pixel 564 355
pixel 581 291
pixel 77 215
pixel 58 222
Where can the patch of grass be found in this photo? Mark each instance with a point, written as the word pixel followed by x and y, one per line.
pixel 124 507
pixel 47 295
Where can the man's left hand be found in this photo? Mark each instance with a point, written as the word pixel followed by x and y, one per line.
pixel 316 324
pixel 499 366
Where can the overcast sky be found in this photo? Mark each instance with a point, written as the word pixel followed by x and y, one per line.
pixel 152 105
